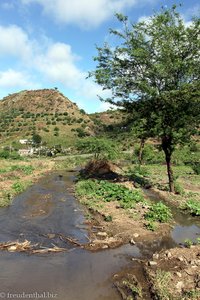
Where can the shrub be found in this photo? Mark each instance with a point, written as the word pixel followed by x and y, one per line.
pixel 196 168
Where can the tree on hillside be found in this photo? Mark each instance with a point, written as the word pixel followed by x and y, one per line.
pixel 37 139
pixel 154 72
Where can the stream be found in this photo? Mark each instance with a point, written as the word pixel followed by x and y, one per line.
pixel 40 214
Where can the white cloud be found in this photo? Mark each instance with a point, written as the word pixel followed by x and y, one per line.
pixel 106 106
pixel 11 78
pixel 51 62
pixel 84 13
pixel 14 41
pixel 58 64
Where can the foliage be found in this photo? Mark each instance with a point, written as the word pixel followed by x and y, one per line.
pixel 7 154
pixel 37 139
pixel 154 75
pixel 27 169
pixel 192 294
pixel 106 191
pixel 18 187
pixel 178 188
pixel 100 147
pixel 159 212
pixel 188 243
pixel 151 226
pixel 193 206
pixel 161 285
pixel 196 168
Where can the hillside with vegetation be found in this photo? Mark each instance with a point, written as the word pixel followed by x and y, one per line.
pixel 46 112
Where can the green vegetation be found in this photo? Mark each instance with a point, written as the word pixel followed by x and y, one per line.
pixel 159 212
pixel 154 75
pixel 99 147
pixel 162 285
pixel 106 191
pixel 192 294
pixel 18 187
pixel 193 206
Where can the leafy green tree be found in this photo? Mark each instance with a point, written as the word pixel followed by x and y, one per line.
pixel 154 71
pixel 37 139
pixel 100 147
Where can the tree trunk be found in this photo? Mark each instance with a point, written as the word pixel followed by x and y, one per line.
pixel 170 174
pixel 142 143
pixel 168 149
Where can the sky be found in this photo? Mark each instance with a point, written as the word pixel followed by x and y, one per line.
pixel 51 43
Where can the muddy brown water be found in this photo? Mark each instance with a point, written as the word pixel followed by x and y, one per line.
pixel 48 209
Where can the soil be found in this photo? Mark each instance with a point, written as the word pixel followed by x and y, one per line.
pixel 169 275
pixel 126 226
pixel 182 266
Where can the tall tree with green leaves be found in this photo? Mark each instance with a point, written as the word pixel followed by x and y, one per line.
pixel 154 72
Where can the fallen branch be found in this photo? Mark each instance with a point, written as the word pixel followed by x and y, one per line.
pixel 26 246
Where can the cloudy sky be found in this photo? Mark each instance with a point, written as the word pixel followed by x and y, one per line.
pixel 51 43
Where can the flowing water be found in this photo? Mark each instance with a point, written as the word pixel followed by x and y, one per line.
pixel 40 215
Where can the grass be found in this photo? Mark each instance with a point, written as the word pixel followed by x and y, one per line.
pixel 16 176
pixel 95 193
pixel 162 284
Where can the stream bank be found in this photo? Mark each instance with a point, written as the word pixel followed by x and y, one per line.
pixel 49 209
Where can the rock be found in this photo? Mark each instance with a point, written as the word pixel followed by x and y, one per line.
pixel 12 248
pixel 102 234
pixel 135 235
pixel 195 262
pixel 178 274
pixel 51 235
pixel 104 247
pixel 180 285
pixel 155 256
pixel 180 258
pixel 168 254
pixel 132 242
pixel 152 263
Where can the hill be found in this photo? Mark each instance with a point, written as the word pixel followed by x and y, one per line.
pixel 46 112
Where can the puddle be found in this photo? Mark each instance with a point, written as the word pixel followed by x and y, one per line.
pixel 187 226
pixel 49 208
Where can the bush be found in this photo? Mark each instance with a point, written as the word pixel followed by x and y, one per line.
pixel 196 168
pixel 4 154
pixel 150 155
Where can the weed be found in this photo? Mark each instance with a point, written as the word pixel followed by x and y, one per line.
pixel 106 191
pixel 196 168
pixel 161 284
pixel 108 218
pixel 193 294
pixel 188 243
pixel 26 169
pixel 159 212
pixel 178 188
pixel 151 226
pixel 18 187
pixel 193 206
